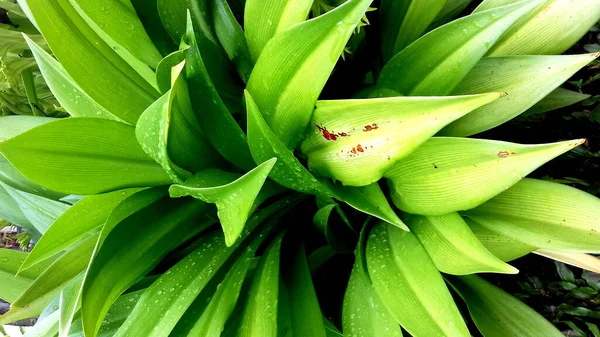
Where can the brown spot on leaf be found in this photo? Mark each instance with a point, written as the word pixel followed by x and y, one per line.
pixel 354 150
pixel 371 127
pixel 359 148
pixel 326 134
pixel 505 154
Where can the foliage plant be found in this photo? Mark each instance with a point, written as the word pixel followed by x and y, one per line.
pixel 224 171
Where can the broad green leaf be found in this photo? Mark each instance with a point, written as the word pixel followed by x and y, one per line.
pixel 147 11
pixel 364 314
pixel 78 221
pixel 40 212
pixel 409 284
pixel 164 69
pixel 442 58
pixel 72 98
pixel 169 133
pixel 367 199
pixel 265 19
pixel 133 248
pixel 50 282
pixel 173 13
pixel 453 247
pixel 304 57
pixel 234 198
pixel 357 141
pixel 232 38
pixel 302 307
pixel 498 314
pixel 68 305
pixel 453 174
pixel 98 156
pixel 259 318
pixel 557 99
pixel 579 260
pixel 10 176
pixel 544 215
pixel 119 22
pixel 218 311
pixel 551 29
pixel 403 22
pixel 220 128
pixel 526 79
pixel 117 87
pixel 451 10
pixel 505 248
pixel 264 145
pixel 12 285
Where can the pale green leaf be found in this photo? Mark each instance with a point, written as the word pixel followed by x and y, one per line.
pixel 364 314
pixel 498 314
pixel 453 174
pixel 13 286
pixel 526 79
pixel 68 305
pixel 304 57
pixel 234 198
pixel 453 247
pixel 442 58
pixel 133 248
pixel 265 19
pixel 98 156
pixel 544 215
pixel 357 141
pixel 11 212
pixel 402 22
pixel 12 126
pixel 216 121
pixel 78 221
pixel 579 260
pixel 551 29
pixel 117 87
pixel 264 145
pixel 164 69
pixel 259 318
pixel 46 327
pixel 409 284
pixel 557 99
pixel 505 248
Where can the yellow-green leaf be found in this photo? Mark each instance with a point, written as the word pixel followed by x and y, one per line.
pixel 505 248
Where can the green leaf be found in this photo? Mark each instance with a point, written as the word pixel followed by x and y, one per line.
pixel 117 87
pixel 402 22
pixel 232 38
pixel 337 230
pixel 133 248
pixel 551 29
pixel 118 24
pixel 46 327
pixel 173 13
pixel 39 211
pixel 259 318
pixel 453 247
pixel 234 198
pixel 559 98
pixel 265 19
pixel 11 212
pixel 98 156
pixel 442 58
pixel 165 69
pixel 70 96
pixel 304 57
pixel 526 79
pixel 498 314
pixel 10 176
pixel 75 223
pixel 147 11
pixel 223 301
pixel 364 314
pixel 357 141
pixel 505 248
pixel 68 305
pixel 367 199
pixel 451 10
pixel 264 145
pixel 220 128
pixel 409 284
pixel 12 126
pixel 453 174
pixel 301 306
pixel 545 215
pixel 12 285
pixel 169 133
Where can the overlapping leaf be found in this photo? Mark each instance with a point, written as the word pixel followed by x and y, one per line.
pixel 559 98
pixel 503 247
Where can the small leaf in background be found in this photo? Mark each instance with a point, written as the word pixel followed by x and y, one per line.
pixel 453 247
pixel 409 284
pixel 494 311
pixel 564 272
pixel 98 156
pixel 304 57
pixel 545 215
pixel 559 98
pixel 452 174
pixel 526 80
pixel 333 223
pixel 234 198
pixel 439 60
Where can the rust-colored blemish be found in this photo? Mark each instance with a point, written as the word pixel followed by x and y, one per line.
pixel 354 150
pixel 371 127
pixel 359 148
pixel 330 135
pixel 505 154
